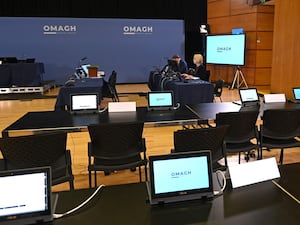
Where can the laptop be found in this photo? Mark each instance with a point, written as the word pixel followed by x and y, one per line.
pixel 26 196
pixel 296 92
pixel 160 100
pixel 85 69
pixel 180 177
pixel 249 97
pixel 84 103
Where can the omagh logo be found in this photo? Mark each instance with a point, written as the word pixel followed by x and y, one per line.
pixel 178 174
pixel 59 29
pixel 132 30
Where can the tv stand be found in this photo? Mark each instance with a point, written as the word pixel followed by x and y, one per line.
pixel 239 79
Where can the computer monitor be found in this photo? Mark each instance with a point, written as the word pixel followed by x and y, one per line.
pixel 296 92
pixel 180 176
pixel 25 196
pixel 160 100
pixel 84 103
pixel 85 69
pixel 249 95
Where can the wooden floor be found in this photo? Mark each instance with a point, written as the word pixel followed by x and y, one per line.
pixel 159 140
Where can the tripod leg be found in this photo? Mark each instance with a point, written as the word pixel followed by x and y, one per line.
pixel 243 79
pixel 234 79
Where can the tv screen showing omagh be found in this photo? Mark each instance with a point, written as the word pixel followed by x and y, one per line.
pixel 226 49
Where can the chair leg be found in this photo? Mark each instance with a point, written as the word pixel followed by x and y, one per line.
pixel 239 157
pixel 95 178
pixel 71 184
pixel 90 179
pixel 140 174
pixel 220 99
pixel 259 153
pixel 146 173
pixel 281 156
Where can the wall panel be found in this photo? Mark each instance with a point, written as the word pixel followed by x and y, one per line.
pixel 239 7
pixel 257 22
pixel 264 40
pixel 286 47
pixel 218 8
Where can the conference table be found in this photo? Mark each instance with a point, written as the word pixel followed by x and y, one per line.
pixel 192 91
pixel 34 122
pixel 85 85
pixel 21 74
pixel 202 113
pixel 260 203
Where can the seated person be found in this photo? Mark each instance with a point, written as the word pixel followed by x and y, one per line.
pixel 199 70
pixel 182 65
pixel 176 64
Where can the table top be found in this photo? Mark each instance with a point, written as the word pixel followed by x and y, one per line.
pixel 185 115
pixel 262 203
pixel 64 120
pixel 208 111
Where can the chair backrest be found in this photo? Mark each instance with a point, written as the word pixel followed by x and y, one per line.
pixel 112 80
pixel 116 140
pixel 201 139
pixel 242 125
pixel 218 87
pixel 33 150
pixel 281 123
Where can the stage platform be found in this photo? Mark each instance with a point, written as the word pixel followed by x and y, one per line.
pixel 46 85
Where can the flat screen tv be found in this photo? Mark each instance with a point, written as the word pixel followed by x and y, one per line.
pixel 226 49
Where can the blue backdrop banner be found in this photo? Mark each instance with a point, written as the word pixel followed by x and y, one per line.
pixel 132 47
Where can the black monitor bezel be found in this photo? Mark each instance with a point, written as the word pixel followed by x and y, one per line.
pixel 83 110
pixel 294 93
pixel 245 102
pixel 27 217
pixel 202 153
pixel 160 92
pixel 227 35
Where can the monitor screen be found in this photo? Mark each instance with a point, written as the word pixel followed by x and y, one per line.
pixel 226 49
pixel 175 175
pixel 160 99
pixel 180 175
pixel 248 95
pixel 85 68
pixel 296 92
pixel 25 194
pixel 84 102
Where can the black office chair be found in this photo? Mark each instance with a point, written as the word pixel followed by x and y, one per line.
pixel 279 130
pixel 109 88
pixel 205 76
pixel 39 150
pixel 218 89
pixel 116 146
pixel 211 138
pixel 241 133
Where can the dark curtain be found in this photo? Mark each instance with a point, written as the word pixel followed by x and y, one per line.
pixel 193 12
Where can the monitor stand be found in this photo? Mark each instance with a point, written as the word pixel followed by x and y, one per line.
pixel 239 79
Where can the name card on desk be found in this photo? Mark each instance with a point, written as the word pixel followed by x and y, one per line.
pixel 272 98
pixel 253 172
pixel 121 106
